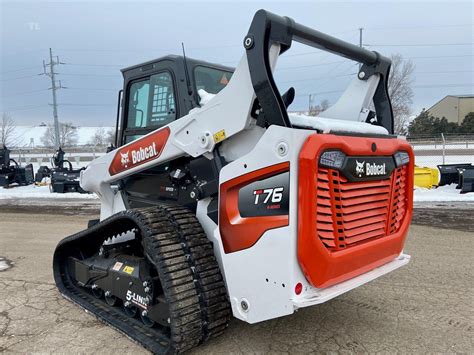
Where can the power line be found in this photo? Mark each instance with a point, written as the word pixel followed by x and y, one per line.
pixel 443 72
pixel 419 45
pixel 80 74
pixel 21 69
pixel 25 93
pixel 311 65
pixel 21 108
pixel 414 86
pixel 92 89
pixel 73 104
pixel 97 65
pixel 22 77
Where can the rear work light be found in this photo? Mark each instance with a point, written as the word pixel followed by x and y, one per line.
pixel 332 159
pixel 401 158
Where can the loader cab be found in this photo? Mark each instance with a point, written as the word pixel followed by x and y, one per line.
pixel 158 92
pixel 155 94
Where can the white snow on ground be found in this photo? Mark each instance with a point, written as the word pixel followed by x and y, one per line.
pixel 447 193
pixel 32 191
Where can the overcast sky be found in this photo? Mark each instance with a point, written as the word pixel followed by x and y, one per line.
pixel 96 39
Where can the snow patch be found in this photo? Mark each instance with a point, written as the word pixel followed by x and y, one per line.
pixel 328 125
pixel 33 191
pixel 4 264
pixel 205 96
pixel 446 193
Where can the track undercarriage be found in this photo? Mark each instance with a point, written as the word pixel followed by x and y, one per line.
pixel 162 288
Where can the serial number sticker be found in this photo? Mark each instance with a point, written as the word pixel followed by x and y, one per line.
pixel 128 270
pixel 219 136
pixel 117 266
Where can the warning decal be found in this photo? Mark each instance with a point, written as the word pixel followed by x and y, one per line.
pixel 219 136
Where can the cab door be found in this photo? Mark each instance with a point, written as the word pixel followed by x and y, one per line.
pixel 150 103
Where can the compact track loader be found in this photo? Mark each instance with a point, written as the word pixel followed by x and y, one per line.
pixel 218 202
pixel 13 174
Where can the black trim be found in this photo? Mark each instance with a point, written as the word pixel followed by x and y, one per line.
pixel 267 29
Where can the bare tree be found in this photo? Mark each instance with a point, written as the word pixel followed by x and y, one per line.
pixel 7 128
pixel 67 135
pixel 99 138
pixel 111 137
pixel 401 94
pixel 317 109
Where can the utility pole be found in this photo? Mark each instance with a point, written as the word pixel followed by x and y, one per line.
pixel 360 42
pixel 309 104
pixel 54 86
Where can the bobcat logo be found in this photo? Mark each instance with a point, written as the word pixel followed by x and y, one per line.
pixel 125 159
pixel 360 168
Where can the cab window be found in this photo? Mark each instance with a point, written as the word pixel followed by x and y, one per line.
pixel 210 79
pixel 151 102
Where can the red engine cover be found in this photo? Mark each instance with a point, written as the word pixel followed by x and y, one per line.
pixel 347 227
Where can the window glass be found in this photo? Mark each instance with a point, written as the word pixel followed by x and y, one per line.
pixel 210 79
pixel 151 102
pixel 138 104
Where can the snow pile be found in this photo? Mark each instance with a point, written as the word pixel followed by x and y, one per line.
pixel 447 193
pixel 325 125
pixel 32 191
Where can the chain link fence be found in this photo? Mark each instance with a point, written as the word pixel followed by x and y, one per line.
pixel 430 151
pixel 433 150
pixel 79 156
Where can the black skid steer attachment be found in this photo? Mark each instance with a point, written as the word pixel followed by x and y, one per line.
pixel 166 275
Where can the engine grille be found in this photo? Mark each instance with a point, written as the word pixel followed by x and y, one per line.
pixel 351 213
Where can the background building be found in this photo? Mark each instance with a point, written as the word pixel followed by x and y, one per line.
pixel 453 107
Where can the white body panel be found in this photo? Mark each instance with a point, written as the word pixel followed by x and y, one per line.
pixel 263 276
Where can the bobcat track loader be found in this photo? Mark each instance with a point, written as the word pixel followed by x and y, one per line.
pixel 226 204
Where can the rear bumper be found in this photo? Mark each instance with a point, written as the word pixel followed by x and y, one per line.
pixel 314 296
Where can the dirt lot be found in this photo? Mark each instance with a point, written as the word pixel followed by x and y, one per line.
pixel 425 307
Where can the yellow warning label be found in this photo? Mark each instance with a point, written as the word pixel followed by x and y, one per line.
pixel 128 270
pixel 219 136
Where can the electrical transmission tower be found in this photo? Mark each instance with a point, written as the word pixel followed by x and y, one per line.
pixel 55 85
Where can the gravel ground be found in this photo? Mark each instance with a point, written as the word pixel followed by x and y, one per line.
pixel 425 307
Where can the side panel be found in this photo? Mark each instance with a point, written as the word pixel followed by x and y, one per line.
pixel 268 270
pixel 245 195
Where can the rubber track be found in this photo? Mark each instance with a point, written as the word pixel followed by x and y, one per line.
pixel 173 240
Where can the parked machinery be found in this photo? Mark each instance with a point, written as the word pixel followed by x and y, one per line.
pixel 13 174
pixel 64 178
pixel 466 179
pixel 449 173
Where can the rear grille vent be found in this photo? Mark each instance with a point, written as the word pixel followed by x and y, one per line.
pixel 351 213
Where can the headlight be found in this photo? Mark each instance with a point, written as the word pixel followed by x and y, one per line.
pixel 401 158
pixel 332 159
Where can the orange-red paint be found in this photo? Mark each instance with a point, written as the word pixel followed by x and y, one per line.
pixel 348 228
pixel 139 151
pixel 238 232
